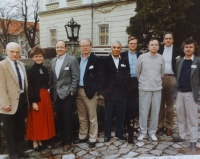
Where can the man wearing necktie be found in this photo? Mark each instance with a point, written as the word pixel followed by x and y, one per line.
pixel 13 100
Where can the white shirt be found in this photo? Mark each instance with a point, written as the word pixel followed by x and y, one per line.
pixel 191 58
pixel 116 61
pixel 20 71
pixel 167 55
pixel 59 63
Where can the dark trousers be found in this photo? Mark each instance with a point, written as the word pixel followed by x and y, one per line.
pixel 64 113
pixel 14 128
pixel 110 105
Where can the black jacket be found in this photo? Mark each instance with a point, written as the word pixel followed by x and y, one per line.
pixel 175 53
pixel 90 78
pixel 114 82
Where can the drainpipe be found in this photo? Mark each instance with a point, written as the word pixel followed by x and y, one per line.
pixel 92 12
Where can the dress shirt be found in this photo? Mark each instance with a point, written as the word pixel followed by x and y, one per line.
pixel 167 55
pixel 191 58
pixel 82 67
pixel 20 71
pixel 132 57
pixel 59 63
pixel 116 60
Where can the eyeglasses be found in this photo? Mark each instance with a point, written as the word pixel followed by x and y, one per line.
pixel 85 45
pixel 12 52
pixel 132 43
pixel 114 47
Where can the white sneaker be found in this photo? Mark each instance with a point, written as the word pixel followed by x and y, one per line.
pixel 153 137
pixel 141 137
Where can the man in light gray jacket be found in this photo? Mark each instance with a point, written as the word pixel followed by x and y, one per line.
pixel 150 69
pixel 64 79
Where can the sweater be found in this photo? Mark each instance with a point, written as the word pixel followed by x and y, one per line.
pixel 149 70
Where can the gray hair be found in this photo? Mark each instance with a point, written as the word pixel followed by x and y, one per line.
pixel 116 41
pixel 12 43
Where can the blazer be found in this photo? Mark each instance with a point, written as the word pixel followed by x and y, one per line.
pixel 9 86
pixel 68 79
pixel 176 53
pixel 90 78
pixel 194 77
pixel 114 82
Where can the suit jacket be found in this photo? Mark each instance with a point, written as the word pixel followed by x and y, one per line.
pixel 114 82
pixel 9 86
pixel 194 76
pixel 68 79
pixel 176 52
pixel 90 78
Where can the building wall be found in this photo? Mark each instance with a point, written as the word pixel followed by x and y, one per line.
pixel 117 15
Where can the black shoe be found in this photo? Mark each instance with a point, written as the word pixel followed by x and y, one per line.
pixel 106 139
pixel 179 139
pixel 123 138
pixel 92 144
pixel 77 141
pixel 192 145
pixel 37 148
pixel 24 155
pixel 42 147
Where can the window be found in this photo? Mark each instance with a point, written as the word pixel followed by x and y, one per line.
pixel 53 37
pixel 53 1
pixel 22 42
pixel 103 34
pixel 22 52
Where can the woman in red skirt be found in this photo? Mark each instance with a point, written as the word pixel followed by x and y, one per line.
pixel 40 120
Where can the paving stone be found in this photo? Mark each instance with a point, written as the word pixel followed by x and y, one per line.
pixel 123 150
pixel 154 143
pixel 130 155
pixel 83 146
pixel 170 152
pixel 94 153
pixel 142 150
pixel 124 145
pixel 117 143
pixel 112 147
pixel 99 145
pixel 156 152
pixel 162 146
pixel 68 156
pixel 81 153
pixel 100 139
pixel 167 143
pixel 176 146
pixel 111 156
pixel 103 148
pixel 140 144
pixel 149 146
pixel 146 155
pixel 87 156
pixel 107 143
pixel 57 151
pixel 77 149
pixel 110 152
pixel 130 146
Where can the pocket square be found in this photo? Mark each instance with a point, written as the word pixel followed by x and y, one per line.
pixel 66 68
pixel 91 67
pixel 122 65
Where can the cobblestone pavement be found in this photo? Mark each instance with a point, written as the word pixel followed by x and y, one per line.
pixel 120 149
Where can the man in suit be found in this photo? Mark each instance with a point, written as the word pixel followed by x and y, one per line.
pixel 115 75
pixel 186 92
pixel 150 70
pixel 64 79
pixel 86 95
pixel 13 100
pixel 131 56
pixel 170 55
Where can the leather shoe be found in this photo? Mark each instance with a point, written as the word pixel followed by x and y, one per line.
pixel 24 155
pixel 192 145
pixel 36 148
pixel 77 141
pixel 106 139
pixel 58 144
pixel 123 138
pixel 168 132
pixel 66 148
pixel 160 131
pixel 179 139
pixel 92 144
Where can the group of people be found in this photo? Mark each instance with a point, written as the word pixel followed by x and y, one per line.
pixel 154 78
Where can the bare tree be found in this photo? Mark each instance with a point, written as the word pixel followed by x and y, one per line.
pixel 28 12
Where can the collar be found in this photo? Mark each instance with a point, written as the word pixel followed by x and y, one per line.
pixel 168 48
pixel 12 62
pixel 191 58
pixel 132 53
pixel 114 58
pixel 85 58
pixel 61 57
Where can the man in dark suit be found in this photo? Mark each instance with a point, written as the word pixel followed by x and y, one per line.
pixel 114 79
pixel 132 99
pixel 13 100
pixel 64 79
pixel 170 55
pixel 186 93
pixel 86 95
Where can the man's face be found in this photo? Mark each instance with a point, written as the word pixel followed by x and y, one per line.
pixel 189 49
pixel 153 46
pixel 85 47
pixel 13 52
pixel 168 40
pixel 60 48
pixel 132 45
pixel 116 49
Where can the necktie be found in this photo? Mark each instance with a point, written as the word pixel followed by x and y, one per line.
pixel 18 74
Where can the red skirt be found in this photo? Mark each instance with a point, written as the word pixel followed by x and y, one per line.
pixel 40 124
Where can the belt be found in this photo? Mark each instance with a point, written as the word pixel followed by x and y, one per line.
pixel 80 86
pixel 168 74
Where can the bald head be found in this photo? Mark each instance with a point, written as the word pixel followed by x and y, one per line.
pixel 13 51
